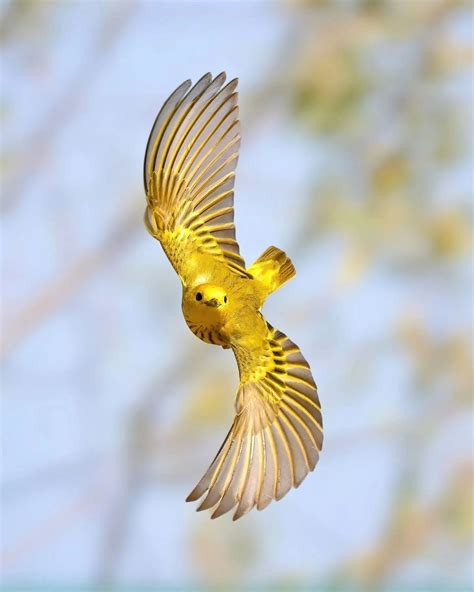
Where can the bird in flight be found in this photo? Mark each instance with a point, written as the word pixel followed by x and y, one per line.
pixel 189 170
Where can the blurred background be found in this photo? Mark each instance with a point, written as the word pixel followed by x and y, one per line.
pixel 356 159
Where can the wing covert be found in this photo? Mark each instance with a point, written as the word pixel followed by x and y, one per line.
pixel 189 172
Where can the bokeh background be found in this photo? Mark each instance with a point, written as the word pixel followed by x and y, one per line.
pixel 357 160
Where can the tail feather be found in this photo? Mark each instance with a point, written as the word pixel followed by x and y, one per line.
pixel 273 269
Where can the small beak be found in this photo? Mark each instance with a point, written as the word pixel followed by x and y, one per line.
pixel 213 302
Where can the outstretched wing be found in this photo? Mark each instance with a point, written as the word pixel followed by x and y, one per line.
pixel 276 436
pixel 189 172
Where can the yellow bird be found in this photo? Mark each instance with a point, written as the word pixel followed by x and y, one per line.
pixel 189 171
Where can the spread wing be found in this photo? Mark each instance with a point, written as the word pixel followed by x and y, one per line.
pixel 276 436
pixel 189 172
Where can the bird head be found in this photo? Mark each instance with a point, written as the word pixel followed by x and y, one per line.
pixel 205 304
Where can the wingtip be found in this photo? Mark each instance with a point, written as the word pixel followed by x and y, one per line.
pixel 186 85
pixel 206 79
pixel 237 516
pixel 242 510
pixel 206 504
pixel 221 509
pixel 193 496
pixel 231 86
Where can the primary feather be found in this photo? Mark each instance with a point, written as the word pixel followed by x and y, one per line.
pixel 276 436
pixel 189 172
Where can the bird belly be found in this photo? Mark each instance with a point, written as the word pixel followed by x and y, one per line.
pixel 209 334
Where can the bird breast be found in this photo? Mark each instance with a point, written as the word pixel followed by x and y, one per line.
pixel 208 333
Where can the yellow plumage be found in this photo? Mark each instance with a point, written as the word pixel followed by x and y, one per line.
pixel 189 171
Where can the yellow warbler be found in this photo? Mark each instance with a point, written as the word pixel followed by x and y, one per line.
pixel 189 171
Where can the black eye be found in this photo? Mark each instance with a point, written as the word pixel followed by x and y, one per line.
pixel 198 296
pixel 225 299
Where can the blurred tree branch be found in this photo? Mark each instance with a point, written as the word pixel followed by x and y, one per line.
pixel 32 151
pixel 54 526
pixel 67 285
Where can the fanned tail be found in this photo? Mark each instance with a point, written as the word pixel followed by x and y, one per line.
pixel 272 269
